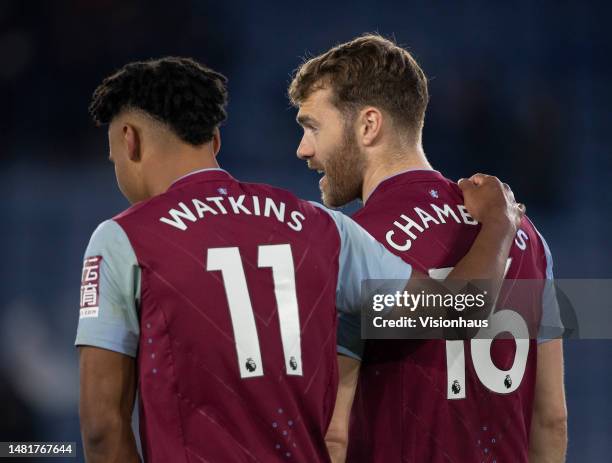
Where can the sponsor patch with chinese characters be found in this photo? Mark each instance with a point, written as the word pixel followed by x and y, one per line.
pixel 90 287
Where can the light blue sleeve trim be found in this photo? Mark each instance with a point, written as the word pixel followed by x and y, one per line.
pixel 116 326
pixel 362 258
pixel 549 259
pixel 550 323
pixel 119 346
pixel 349 340
pixel 343 351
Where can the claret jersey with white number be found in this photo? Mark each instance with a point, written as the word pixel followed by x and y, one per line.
pixel 440 401
pixel 227 294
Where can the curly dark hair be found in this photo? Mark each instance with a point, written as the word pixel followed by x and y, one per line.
pixel 187 96
pixel 369 70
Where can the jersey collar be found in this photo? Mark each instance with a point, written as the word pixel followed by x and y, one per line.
pixel 405 176
pixel 212 173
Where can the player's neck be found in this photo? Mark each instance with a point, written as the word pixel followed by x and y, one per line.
pixel 182 165
pixel 391 164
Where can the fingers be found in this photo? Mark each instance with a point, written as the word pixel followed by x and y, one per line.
pixel 479 179
pixel 509 193
pixel 466 185
pixel 482 179
pixel 520 211
pixel 488 199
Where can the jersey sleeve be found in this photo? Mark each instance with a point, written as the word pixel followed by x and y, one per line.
pixel 361 258
pixel 551 325
pixel 110 292
pixel 348 340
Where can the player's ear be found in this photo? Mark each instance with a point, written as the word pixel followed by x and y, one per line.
pixel 131 138
pixel 370 123
pixel 216 141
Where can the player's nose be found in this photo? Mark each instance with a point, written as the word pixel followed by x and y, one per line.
pixel 304 150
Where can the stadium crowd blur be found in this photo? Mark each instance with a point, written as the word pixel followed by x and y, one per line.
pixel 521 91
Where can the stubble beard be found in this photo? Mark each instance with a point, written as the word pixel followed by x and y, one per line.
pixel 343 173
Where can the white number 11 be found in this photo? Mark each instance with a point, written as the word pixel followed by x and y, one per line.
pixel 280 259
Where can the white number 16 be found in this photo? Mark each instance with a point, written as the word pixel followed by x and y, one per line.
pixel 495 379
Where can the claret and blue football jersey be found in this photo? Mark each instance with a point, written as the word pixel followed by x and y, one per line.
pixel 227 295
pixel 440 401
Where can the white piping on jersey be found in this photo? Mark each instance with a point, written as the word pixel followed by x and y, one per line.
pixel 395 175
pixel 197 172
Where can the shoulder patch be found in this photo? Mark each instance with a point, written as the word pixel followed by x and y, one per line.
pixel 90 287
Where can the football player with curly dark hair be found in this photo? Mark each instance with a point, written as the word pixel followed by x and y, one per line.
pixel 172 99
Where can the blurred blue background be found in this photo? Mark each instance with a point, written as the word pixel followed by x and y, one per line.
pixel 519 90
